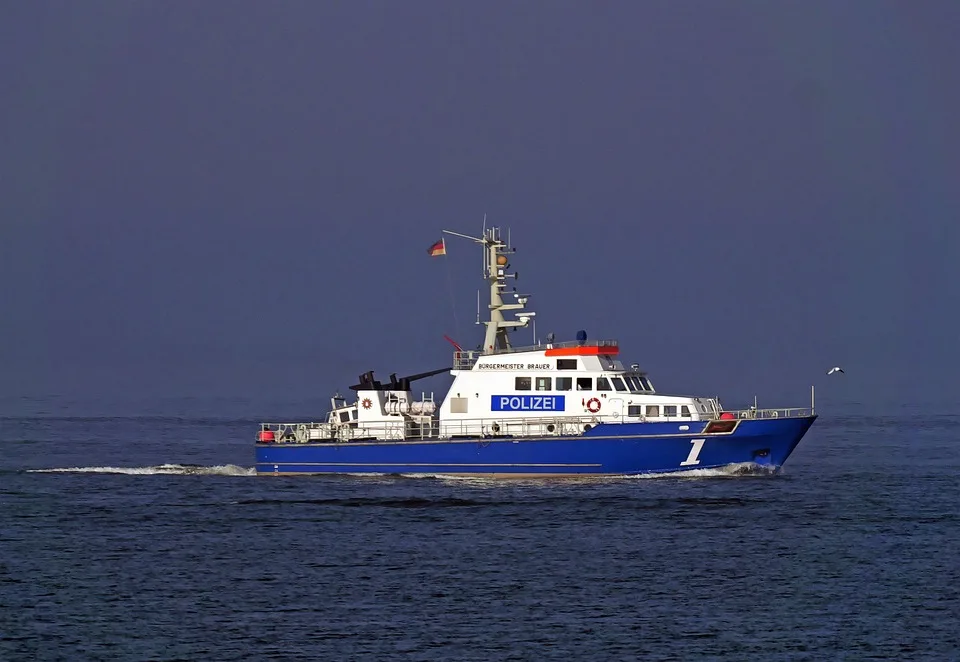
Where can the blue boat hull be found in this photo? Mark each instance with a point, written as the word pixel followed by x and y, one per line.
pixel 605 450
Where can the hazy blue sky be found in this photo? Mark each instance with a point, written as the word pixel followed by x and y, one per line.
pixel 237 197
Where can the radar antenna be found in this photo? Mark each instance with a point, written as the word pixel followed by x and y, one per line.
pixel 495 266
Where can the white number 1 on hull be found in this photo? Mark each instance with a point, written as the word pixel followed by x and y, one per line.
pixel 694 456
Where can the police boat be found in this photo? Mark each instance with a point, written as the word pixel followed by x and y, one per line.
pixel 547 410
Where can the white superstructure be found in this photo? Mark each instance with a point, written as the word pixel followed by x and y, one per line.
pixel 543 390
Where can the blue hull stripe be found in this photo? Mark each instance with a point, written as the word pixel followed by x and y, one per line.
pixel 639 448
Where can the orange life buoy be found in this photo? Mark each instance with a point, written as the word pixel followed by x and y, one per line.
pixel 593 405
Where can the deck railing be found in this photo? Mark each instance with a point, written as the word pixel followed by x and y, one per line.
pixel 431 429
pixel 465 359
pixel 784 412
pixel 486 427
pixel 557 345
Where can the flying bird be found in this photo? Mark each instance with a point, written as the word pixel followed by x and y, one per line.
pixel 834 369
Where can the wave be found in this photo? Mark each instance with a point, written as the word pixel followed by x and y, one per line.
pixel 732 470
pixel 728 471
pixel 742 469
pixel 162 469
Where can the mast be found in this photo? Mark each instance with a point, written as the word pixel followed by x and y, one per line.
pixel 496 264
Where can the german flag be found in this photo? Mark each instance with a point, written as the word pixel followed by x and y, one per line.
pixel 438 248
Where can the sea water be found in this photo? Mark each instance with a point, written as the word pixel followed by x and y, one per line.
pixel 138 530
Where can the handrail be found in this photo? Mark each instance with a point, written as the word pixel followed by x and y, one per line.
pixel 782 412
pixel 485 427
pixel 558 345
pixel 750 413
pixel 553 345
pixel 465 359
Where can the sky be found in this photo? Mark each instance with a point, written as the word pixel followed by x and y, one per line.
pixel 235 198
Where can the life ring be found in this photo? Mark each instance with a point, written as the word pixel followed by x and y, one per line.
pixel 593 405
pixel 366 403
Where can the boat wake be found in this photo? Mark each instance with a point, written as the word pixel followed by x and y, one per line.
pixel 742 469
pixel 728 471
pixel 163 469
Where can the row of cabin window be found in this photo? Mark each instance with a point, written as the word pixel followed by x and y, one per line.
pixel 623 384
pixel 654 410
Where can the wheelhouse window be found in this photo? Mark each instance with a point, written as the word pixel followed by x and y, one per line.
pixel 636 383
pixel 669 410
pixel 647 386
pixel 584 383
pixel 544 383
pixel 635 410
pixel 603 384
pixel 653 410
pixel 564 383
pixel 522 383
pixel 684 410
pixel 619 384
pixel 566 364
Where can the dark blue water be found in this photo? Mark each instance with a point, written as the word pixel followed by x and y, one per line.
pixel 145 536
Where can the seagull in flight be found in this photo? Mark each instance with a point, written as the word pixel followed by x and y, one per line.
pixel 834 369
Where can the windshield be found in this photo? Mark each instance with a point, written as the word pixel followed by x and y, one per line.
pixel 637 383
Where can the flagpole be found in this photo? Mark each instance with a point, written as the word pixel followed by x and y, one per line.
pixel 453 298
pixel 465 236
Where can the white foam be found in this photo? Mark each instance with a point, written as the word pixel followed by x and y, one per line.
pixel 447 476
pixel 164 469
pixel 730 470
